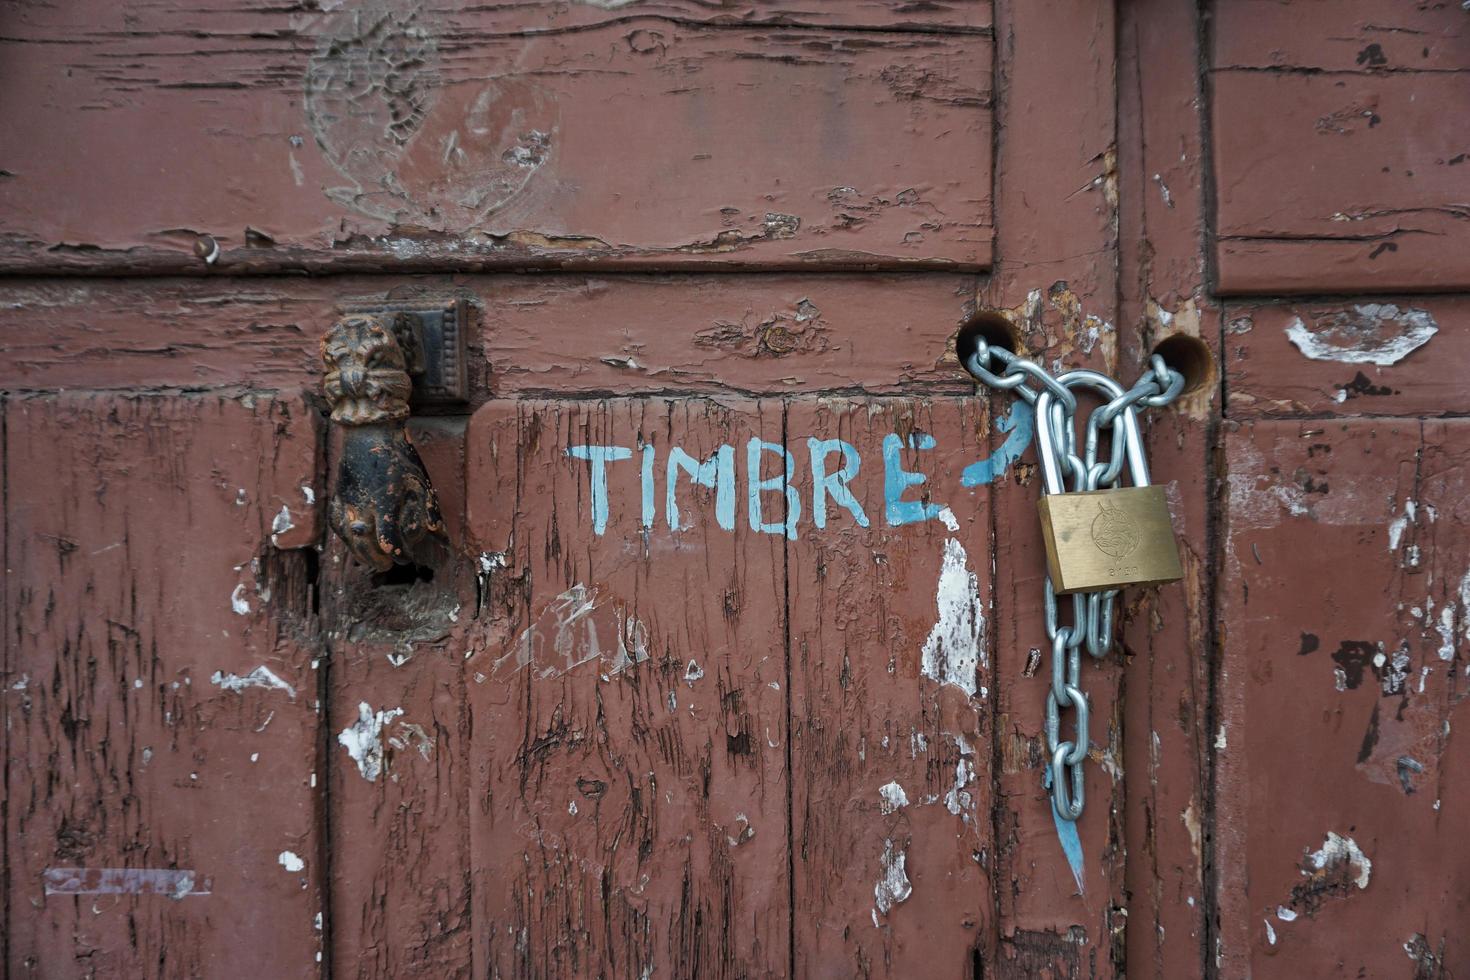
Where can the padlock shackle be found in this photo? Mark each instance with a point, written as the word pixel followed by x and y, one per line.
pixel 1132 434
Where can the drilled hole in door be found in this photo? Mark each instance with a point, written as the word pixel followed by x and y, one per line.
pixel 1191 357
pixel 989 326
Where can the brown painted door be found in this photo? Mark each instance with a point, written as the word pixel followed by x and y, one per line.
pixel 731 670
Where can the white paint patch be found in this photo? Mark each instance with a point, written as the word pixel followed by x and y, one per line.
pixel 1270 932
pixel 238 602
pixel 893 884
pixel 950 521
pixel 958 800
pixel 290 861
pixel 1371 333
pixel 261 676
pixel 363 739
pixel 693 672
pixel 1285 914
pixel 955 647
pixel 891 797
pixel 1446 629
pixel 1340 850
pixel 309 494
pixel 282 523
pixel 176 883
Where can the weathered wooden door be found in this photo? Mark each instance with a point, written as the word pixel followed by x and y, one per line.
pixel 732 670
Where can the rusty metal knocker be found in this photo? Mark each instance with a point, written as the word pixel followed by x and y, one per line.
pixel 383 505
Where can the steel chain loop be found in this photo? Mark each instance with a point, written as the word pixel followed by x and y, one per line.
pixel 1092 612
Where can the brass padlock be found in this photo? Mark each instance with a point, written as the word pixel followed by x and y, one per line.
pixel 1103 539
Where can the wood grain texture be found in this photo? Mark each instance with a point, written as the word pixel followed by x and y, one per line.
pixel 487 137
pixel 891 685
pixel 1056 282
pixel 1343 600
pixel 1390 355
pixel 1168 635
pixel 1354 182
pixel 631 796
pixel 529 335
pixel 159 687
pixel 398 745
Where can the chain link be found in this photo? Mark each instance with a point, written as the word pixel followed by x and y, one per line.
pixel 1063 470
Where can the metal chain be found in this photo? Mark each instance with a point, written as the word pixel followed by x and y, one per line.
pixel 1056 447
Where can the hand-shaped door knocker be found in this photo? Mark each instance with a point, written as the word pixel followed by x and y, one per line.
pixel 383 506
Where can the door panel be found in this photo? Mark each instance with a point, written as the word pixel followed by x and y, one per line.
pixel 396 132
pixel 528 336
pixel 632 785
pixel 1344 597
pixel 161 695
pixel 1353 184
pixel 892 681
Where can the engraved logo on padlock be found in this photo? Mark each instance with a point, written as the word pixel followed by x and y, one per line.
pixel 1103 539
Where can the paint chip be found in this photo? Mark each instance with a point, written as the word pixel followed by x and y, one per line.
pixel 290 861
pixel 1369 333
pixel 363 739
pixel 891 797
pixel 261 676
pixel 954 649
pixel 893 884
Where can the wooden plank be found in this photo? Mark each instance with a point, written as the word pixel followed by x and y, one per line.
pixel 1168 632
pixel 891 689
pixel 631 797
pixel 1056 281
pixel 1343 602
pixel 229 17
pixel 1354 182
pixel 1345 36
pixel 529 334
pixel 439 139
pixel 1395 355
pixel 162 812
pixel 400 761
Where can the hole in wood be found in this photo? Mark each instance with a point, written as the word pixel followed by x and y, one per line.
pixel 403 575
pixel 990 326
pixel 1191 357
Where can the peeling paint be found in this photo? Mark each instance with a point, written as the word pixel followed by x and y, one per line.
pixel 281 524
pixel 1337 850
pixel 290 861
pixel 891 798
pixel 1371 333
pixel 238 602
pixel 893 884
pixel 955 647
pixel 261 676
pixel 363 739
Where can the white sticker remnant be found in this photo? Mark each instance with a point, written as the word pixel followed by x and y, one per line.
pixel 1369 333
pixel 893 884
pixel 238 602
pixel 956 645
pixel 176 883
pixel 1341 850
pixel 891 797
pixel 363 739
pixel 290 861
pixel 261 676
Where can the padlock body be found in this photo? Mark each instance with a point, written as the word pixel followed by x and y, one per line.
pixel 1103 539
